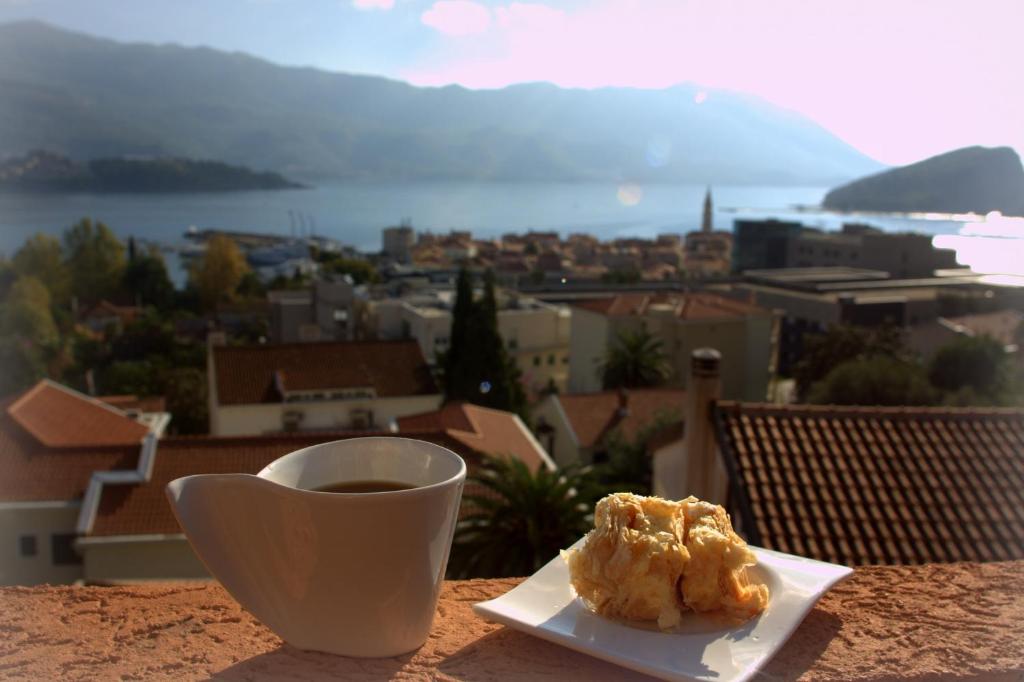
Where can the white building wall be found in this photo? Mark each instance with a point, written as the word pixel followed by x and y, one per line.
pixel 565 449
pixel 123 559
pixel 43 521
pixel 237 420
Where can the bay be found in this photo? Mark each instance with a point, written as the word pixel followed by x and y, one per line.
pixel 355 213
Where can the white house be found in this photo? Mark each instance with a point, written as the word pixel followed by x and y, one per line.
pixel 351 385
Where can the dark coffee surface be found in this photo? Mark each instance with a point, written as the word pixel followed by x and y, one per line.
pixel 363 487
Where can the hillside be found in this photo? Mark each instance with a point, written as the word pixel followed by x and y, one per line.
pixel 86 98
pixel 972 179
pixel 46 172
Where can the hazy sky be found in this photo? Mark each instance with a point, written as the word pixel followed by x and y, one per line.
pixel 898 79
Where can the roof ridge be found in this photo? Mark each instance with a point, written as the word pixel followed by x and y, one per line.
pixel 796 408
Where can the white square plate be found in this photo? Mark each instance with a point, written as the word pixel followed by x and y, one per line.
pixel 700 649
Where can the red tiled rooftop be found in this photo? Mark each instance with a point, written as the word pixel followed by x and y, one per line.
pixel 483 430
pixel 59 417
pixel 133 402
pixel 246 374
pixel 593 415
pixel 695 306
pixel 865 485
pixel 31 472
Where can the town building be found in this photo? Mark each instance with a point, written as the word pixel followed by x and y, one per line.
pixel 575 428
pixel 82 484
pixel 327 311
pixel 771 244
pixel 810 300
pixel 536 334
pixel 746 334
pixel 398 243
pixel 852 485
pixel 327 386
pixel 1004 326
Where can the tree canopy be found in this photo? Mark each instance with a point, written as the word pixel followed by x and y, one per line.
pixel 874 380
pixel 977 364
pixel 842 343
pixel 519 520
pixel 219 272
pixel 41 257
pixel 476 368
pixel 635 360
pixel 145 279
pixel 95 257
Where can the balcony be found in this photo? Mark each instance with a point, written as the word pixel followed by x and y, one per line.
pixel 935 621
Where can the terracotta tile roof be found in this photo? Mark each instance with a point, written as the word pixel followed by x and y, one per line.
pixel 593 415
pixel 860 485
pixel 483 430
pixel 143 509
pixel 105 309
pixel 59 417
pixel 695 306
pixel 246 374
pixel 32 472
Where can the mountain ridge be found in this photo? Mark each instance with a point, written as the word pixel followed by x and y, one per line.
pixel 87 97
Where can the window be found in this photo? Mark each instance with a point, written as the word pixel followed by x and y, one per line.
pixel 536 361
pixel 63 546
pixel 27 545
pixel 551 359
pixel 565 359
pixel 513 344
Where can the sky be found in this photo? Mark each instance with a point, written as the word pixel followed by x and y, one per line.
pixel 900 80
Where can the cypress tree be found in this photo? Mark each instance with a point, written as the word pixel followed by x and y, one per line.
pixel 477 367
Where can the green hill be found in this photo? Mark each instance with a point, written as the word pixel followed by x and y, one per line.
pixel 972 179
pixel 45 172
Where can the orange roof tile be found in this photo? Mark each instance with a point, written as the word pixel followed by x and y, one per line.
pixel 593 415
pixel 32 472
pixel 483 430
pixel 59 417
pixel 249 374
pixel 861 485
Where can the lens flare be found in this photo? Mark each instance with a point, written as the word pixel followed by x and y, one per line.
pixel 630 194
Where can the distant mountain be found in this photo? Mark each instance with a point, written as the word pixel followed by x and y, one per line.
pixel 972 179
pixel 86 97
pixel 46 172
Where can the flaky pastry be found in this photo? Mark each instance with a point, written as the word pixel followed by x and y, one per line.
pixel 651 559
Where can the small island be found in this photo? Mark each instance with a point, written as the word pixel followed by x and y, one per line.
pixel 41 171
pixel 968 180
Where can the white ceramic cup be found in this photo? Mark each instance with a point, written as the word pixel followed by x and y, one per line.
pixel 356 574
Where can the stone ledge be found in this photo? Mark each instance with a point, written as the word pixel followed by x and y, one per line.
pixel 956 621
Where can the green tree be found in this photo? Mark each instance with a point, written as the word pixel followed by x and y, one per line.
pixel 27 314
pixel 219 272
pixel 185 392
pixel 636 360
pixel 975 363
pixel 361 271
pixel 41 257
pixel 874 380
pixel 519 520
pixel 130 377
pixel 824 352
pixel 145 279
pixel 477 368
pixel 95 258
